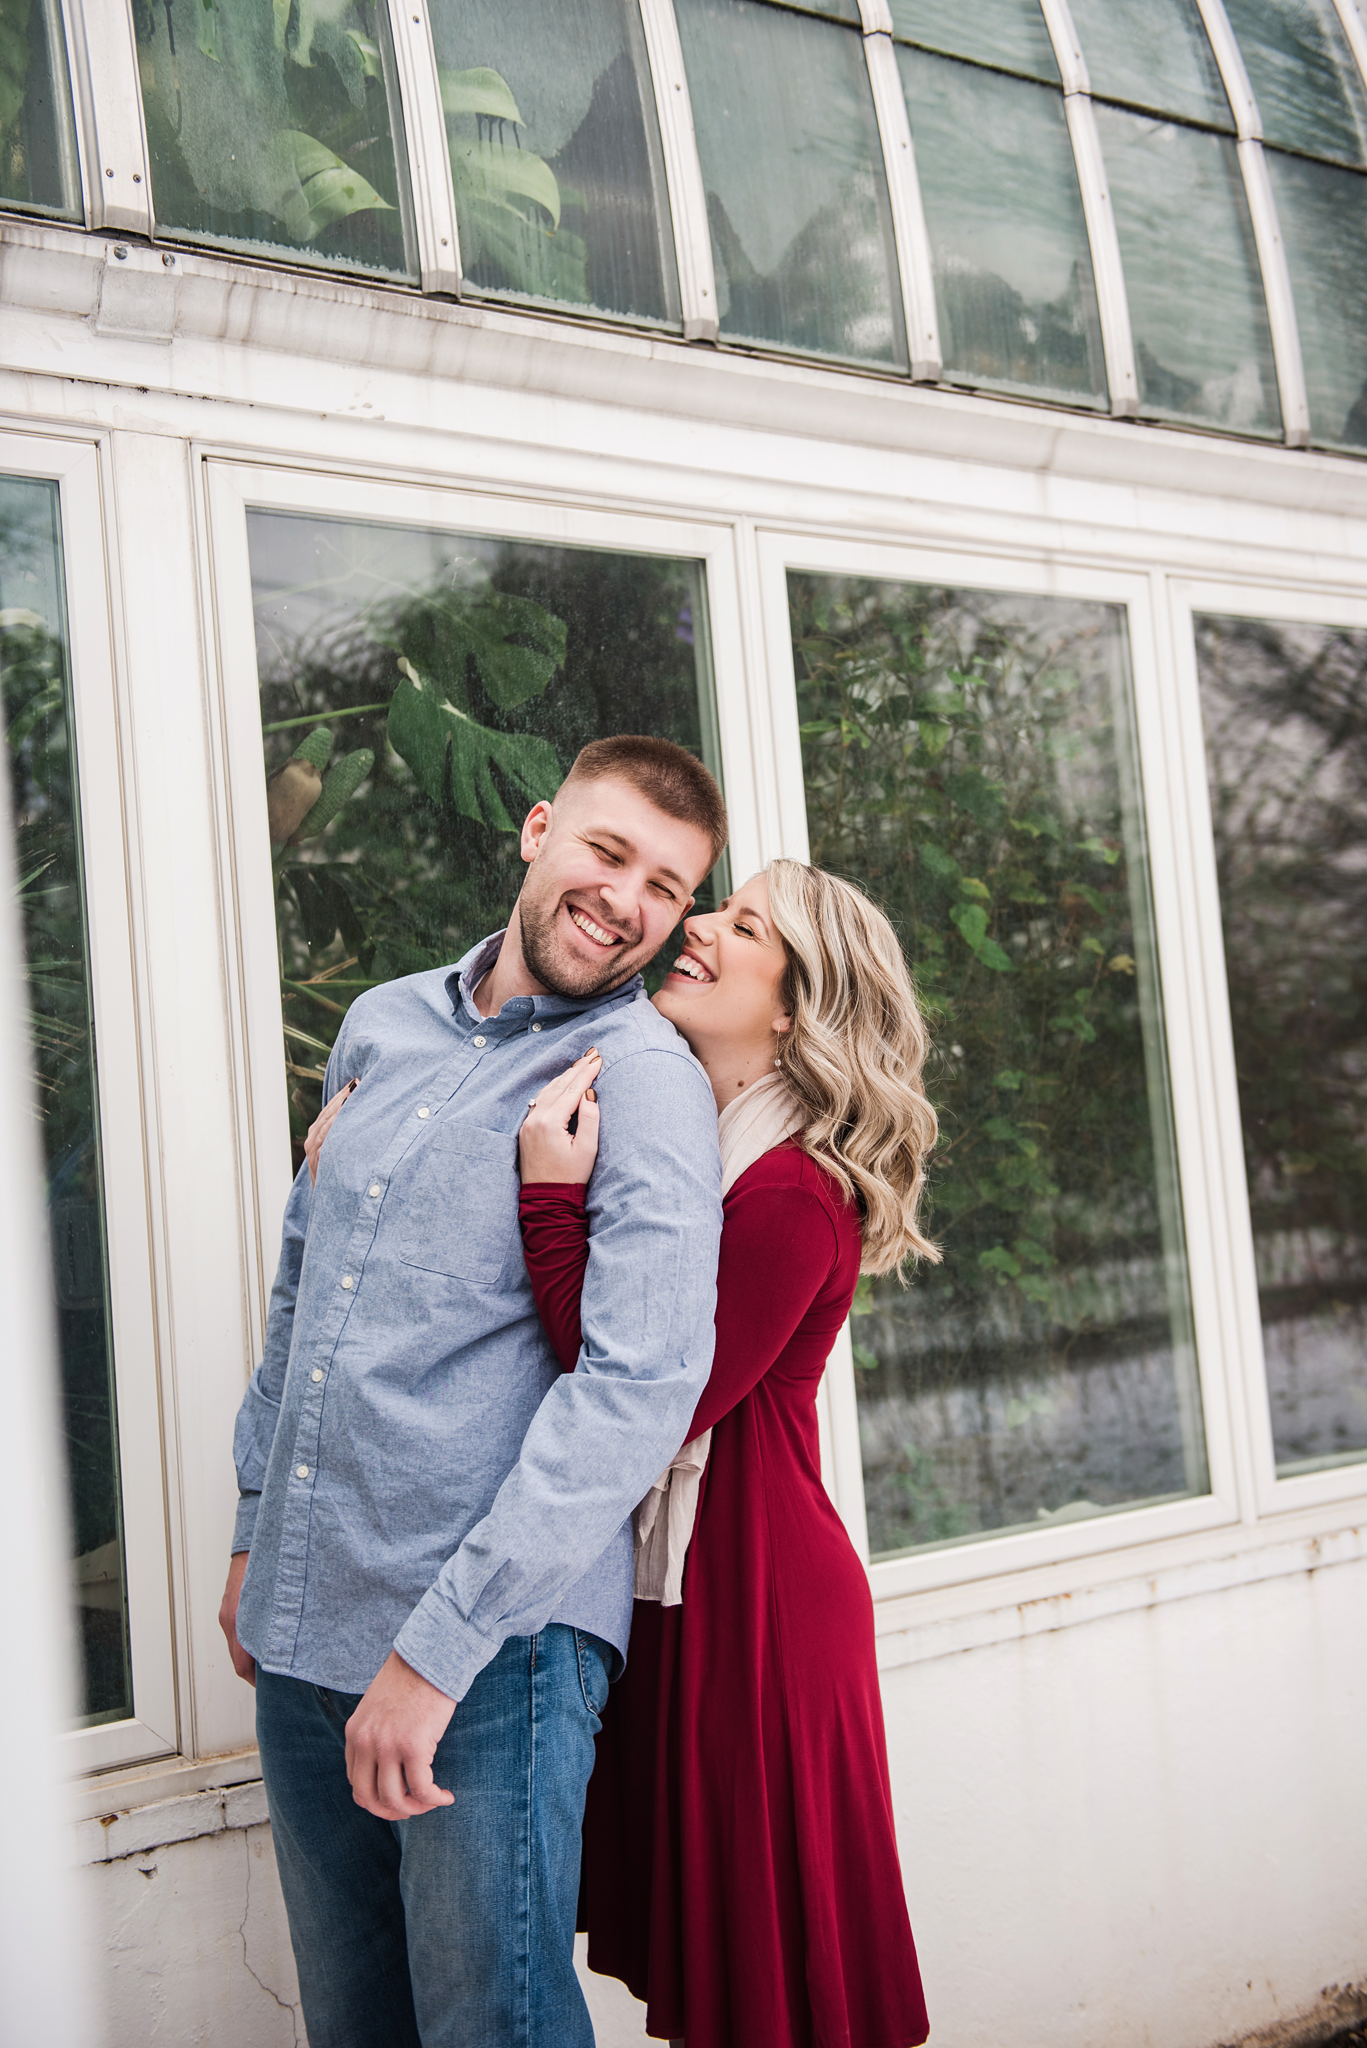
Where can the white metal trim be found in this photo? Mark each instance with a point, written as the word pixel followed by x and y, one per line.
pixel 76 190
pixel 1281 306
pixel 104 56
pixel 914 260
pixel 1229 57
pixel 429 155
pixel 683 172
pixel 1067 48
pixel 1355 31
pixel 875 17
pixel 1108 272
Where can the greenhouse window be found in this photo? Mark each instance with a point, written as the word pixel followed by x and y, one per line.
pixel 38 168
pixel 1009 35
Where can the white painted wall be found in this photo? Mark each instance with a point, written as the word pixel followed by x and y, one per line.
pixel 1141 1831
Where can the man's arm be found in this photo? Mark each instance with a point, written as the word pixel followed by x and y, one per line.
pixel 604 1433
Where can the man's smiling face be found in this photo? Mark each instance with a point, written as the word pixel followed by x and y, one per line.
pixel 610 877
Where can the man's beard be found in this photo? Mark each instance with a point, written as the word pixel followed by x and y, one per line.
pixel 568 977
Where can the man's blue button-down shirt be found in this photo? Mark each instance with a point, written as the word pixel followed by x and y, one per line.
pixel 416 1473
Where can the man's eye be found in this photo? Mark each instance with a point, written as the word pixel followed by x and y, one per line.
pixel 606 853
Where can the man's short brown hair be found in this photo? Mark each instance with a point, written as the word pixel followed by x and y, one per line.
pixel 667 775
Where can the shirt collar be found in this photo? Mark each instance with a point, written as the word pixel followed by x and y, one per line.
pixel 467 974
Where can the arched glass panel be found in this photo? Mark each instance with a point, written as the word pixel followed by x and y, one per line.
pixel 37 142
pixel 276 129
pixel 555 153
pixel 1008 34
pixel 797 200
pixel 969 759
pixel 1309 94
pixel 1285 711
pixel 1013 273
pixel 1323 215
pixel 1157 56
pixel 1202 345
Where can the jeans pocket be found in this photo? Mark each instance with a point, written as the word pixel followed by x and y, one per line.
pixel 595 1660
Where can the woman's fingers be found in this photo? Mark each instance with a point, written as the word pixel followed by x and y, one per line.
pixel 321 1125
pixel 570 1085
pixel 546 1150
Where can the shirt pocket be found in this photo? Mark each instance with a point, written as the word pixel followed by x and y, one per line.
pixel 462 1203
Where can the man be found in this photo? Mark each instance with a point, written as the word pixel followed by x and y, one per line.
pixel 436 1583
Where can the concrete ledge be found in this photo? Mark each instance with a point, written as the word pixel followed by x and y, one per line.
pixel 1335 2015
pixel 115 1834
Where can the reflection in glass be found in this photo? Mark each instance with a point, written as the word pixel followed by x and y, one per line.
pixel 555 152
pixel 1013 275
pixel 968 759
pixel 1202 345
pixel 276 127
pixel 1009 34
pixel 1323 215
pixel 1309 94
pixel 1157 56
pixel 419 692
pixel 36 689
pixel 1285 710
pixel 796 197
pixel 37 144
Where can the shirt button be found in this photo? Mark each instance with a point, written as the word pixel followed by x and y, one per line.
pixel 302 1471
pixel 375 1188
pixel 317 1372
pixel 347 1280
pixel 480 1041
pixel 424 1112
pixel 536 1027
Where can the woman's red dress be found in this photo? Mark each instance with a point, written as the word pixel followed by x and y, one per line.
pixel 740 1858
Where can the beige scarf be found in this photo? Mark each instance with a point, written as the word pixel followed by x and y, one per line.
pixel 752 1125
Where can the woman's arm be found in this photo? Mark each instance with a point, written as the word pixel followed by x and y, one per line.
pixel 555 1244
pixel 778 1246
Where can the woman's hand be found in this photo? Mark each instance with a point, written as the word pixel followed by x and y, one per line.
pixel 545 1149
pixel 322 1124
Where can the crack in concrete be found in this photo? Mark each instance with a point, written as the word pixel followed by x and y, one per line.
pixel 283 2004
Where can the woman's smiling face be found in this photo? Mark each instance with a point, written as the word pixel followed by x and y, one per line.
pixel 723 991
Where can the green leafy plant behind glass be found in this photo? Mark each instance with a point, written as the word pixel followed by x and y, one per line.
pixel 508 200
pixel 961 761
pixel 411 723
pixel 268 121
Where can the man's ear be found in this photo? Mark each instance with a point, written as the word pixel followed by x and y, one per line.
pixel 535 826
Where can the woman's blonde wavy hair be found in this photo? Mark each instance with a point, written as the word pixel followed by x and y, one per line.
pixel 854 1055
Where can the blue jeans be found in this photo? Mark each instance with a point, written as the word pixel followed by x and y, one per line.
pixel 454 1930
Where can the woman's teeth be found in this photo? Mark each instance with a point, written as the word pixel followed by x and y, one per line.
pixel 595 931
pixel 695 972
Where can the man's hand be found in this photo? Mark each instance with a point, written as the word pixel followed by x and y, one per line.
pixel 243 1664
pixel 391 1740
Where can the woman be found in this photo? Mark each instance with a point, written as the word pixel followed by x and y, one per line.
pixel 741 1870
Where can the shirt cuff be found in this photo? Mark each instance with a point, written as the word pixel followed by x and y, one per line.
pixel 442 1647
pixel 245 1526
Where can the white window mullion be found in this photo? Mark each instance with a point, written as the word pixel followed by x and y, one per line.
pixel 1281 308
pixel 683 172
pixel 1355 30
pixel 914 261
pixel 429 156
pixel 104 59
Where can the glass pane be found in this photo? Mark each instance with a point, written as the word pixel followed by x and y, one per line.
pixel 969 760
pixel 276 128
pixel 394 828
pixel 1285 711
pixel 36 684
pixel 1013 273
pixel 555 153
pixel 796 198
pixel 1323 215
pixel 1303 76
pixel 1202 345
pixel 37 143
pixel 1009 34
pixel 835 10
pixel 1158 56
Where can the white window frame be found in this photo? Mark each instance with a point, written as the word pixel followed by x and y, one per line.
pixel 100 737
pixel 1276 602
pixel 1204 1196
pixel 231 490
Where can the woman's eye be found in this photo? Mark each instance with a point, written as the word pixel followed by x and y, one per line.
pixel 745 930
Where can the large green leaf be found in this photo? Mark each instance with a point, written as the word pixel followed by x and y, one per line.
pixel 486 169
pixel 516 645
pixel 331 189
pixel 453 756
pixel 478 92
